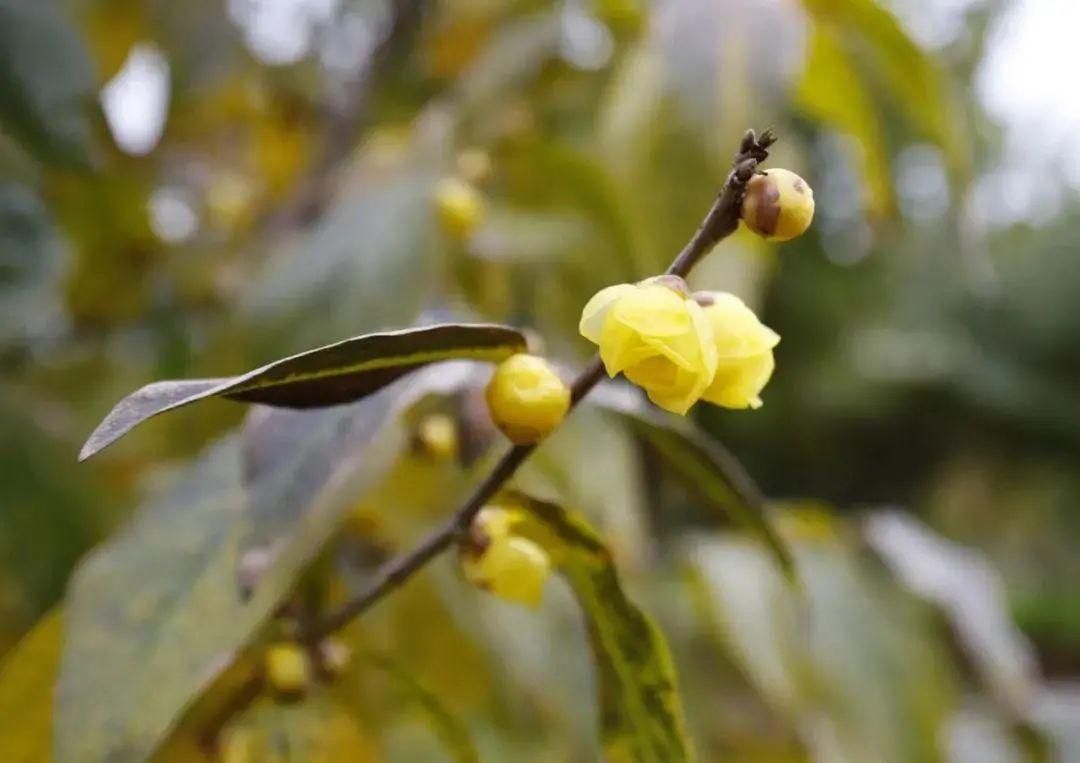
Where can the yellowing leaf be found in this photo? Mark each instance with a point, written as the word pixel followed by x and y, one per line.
pixel 27 681
pixel 833 91
pixel 315 730
pixel 641 718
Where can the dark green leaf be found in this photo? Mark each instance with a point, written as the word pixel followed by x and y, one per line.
pixel 641 717
pixel 27 680
pixel 708 468
pixel 46 77
pixel 338 373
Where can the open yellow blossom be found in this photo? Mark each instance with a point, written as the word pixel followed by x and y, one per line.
pixel 658 336
pixel 744 348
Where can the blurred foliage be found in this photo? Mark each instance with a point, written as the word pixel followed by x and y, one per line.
pixel 190 190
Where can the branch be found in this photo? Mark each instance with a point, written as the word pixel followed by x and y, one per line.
pixel 721 221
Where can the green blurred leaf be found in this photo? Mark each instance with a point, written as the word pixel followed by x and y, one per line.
pixel 46 77
pixel 337 373
pixel 315 730
pixel 852 664
pixel 708 468
pixel 355 268
pixel 970 593
pixel 27 681
pixel 158 612
pixel 641 717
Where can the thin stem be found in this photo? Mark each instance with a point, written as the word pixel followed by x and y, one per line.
pixel 721 221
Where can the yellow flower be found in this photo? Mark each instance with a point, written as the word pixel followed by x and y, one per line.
pixel 508 565
pixel 658 336
pixel 744 348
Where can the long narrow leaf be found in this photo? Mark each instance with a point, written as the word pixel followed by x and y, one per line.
pixel 641 717
pixel 338 373
pixel 708 468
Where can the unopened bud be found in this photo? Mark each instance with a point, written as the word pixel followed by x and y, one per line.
pixel 778 205
pixel 459 206
pixel 527 398
pixel 288 670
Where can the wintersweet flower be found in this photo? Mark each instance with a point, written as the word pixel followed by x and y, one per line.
pixel 657 336
pixel 499 561
pixel 744 348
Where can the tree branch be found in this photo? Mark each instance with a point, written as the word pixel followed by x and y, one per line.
pixel 721 221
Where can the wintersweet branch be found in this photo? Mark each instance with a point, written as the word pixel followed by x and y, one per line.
pixel 721 221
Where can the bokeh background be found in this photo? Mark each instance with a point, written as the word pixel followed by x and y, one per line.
pixel 189 189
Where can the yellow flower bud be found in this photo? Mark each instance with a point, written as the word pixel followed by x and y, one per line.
pixel 744 348
pixel 459 206
pixel 778 205
pixel 527 399
pixel 658 336
pixel 437 436
pixel 510 566
pixel 288 670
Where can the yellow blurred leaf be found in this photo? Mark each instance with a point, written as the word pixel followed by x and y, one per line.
pixel 833 91
pixel 27 678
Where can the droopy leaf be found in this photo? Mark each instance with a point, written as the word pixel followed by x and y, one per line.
pixel 970 593
pixel 313 731
pixel 27 679
pixel 852 663
pixel 641 717
pixel 47 82
pixel 708 468
pixel 157 614
pixel 338 373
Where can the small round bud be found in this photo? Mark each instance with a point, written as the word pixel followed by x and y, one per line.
pixel 778 205
pixel 288 670
pixel 459 206
pixel 334 656
pixel 474 165
pixel 509 566
pixel 526 398
pixel 437 437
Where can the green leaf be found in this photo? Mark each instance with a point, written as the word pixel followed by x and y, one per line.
pixel 641 717
pixel 971 595
pixel 853 665
pixel 707 467
pixel 46 76
pixel 337 373
pixel 27 680
pixel 158 613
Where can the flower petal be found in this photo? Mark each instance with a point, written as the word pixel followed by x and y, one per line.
pixel 596 310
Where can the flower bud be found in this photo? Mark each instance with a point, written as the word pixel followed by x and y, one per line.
pixel 509 566
pixel 526 398
pixel 334 656
pixel 437 437
pixel 288 670
pixel 459 206
pixel 778 205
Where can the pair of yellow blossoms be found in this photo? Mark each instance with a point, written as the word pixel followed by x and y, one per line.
pixel 681 347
